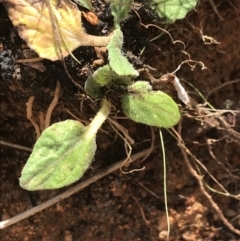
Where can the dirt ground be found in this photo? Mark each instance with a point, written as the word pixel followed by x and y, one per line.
pixel 131 206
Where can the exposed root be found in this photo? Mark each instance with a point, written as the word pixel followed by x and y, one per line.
pixel 41 118
pixel 52 105
pixel 162 29
pixel 29 116
pixel 122 129
pixel 201 184
pixel 208 39
pixel 128 149
pixel 43 123
pixel 191 63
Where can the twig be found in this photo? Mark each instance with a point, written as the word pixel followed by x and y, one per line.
pixel 6 143
pixel 52 105
pixel 29 116
pixel 102 173
pixel 201 185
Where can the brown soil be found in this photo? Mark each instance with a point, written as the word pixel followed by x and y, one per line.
pixel 131 206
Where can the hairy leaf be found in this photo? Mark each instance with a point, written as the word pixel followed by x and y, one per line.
pixel 92 88
pixel 104 75
pixel 119 10
pixel 154 108
pixel 117 61
pixel 60 156
pixel 63 153
pixel 101 77
pixel 172 9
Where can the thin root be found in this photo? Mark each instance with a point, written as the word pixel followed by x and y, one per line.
pixel 201 185
pixel 29 116
pixel 52 105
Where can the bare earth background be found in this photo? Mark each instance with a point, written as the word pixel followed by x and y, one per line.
pixel 118 207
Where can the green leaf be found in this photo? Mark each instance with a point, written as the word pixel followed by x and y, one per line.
pixel 104 75
pixel 117 61
pixel 172 9
pixel 84 3
pixel 60 156
pixel 119 10
pixel 101 77
pixel 154 108
pixel 63 153
pixel 92 88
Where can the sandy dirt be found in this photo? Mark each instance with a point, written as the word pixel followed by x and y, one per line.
pixel 131 206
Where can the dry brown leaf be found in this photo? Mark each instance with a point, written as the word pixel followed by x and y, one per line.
pixel 35 26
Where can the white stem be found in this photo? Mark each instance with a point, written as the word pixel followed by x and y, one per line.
pixel 98 120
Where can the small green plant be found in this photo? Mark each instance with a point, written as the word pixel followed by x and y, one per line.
pixel 172 9
pixel 70 146
pixel 63 153
pixel 65 150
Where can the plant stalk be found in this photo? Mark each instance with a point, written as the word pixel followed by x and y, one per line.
pixel 91 40
pixel 99 119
